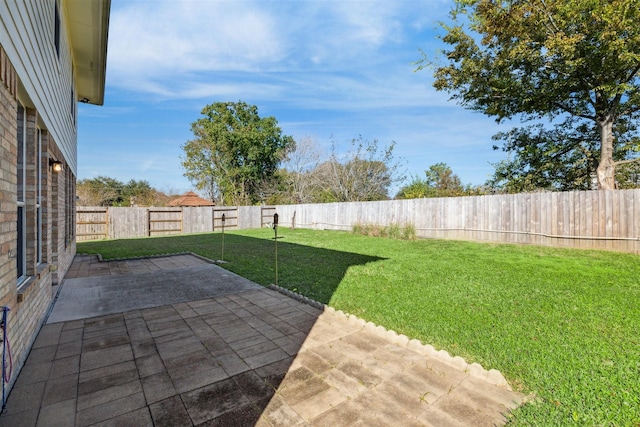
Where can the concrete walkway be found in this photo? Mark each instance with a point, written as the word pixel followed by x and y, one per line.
pixel 223 351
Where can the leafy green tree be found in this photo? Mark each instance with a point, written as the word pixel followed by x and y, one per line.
pixel 235 152
pixel 139 193
pixel 100 191
pixel 439 181
pixel 552 59
pixel 105 191
pixel 628 176
pixel 559 159
pixel 416 189
pixel 564 158
pixel 443 180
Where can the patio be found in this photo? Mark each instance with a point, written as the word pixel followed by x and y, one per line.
pixel 179 341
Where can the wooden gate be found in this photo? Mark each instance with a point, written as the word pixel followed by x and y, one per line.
pixel 266 216
pixel 92 224
pixel 164 222
pixel 230 217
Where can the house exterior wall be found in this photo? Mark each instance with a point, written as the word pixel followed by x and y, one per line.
pixel 46 78
pixel 36 73
pixel 8 234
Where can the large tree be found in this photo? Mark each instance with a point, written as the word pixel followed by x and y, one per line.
pixel 235 152
pixel 100 191
pixel 364 173
pixel 551 59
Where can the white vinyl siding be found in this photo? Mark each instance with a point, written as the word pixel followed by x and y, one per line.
pixel 46 78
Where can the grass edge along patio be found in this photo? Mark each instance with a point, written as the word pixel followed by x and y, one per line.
pixel 561 324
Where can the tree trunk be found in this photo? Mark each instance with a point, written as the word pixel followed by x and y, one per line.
pixel 606 166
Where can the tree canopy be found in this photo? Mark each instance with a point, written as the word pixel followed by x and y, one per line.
pixel 439 181
pixel 553 59
pixel 364 172
pixel 106 191
pixel 235 153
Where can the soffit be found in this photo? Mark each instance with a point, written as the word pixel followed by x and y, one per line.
pixel 88 24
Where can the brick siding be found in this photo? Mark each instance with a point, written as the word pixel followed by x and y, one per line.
pixel 30 302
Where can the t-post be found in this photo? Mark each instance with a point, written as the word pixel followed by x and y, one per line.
pixel 275 238
pixel 222 255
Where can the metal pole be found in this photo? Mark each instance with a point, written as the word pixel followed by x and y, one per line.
pixel 4 354
pixel 222 256
pixel 275 229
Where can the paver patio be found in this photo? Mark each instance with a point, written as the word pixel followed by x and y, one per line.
pixel 245 356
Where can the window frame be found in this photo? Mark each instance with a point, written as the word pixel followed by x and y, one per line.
pixel 39 175
pixel 21 193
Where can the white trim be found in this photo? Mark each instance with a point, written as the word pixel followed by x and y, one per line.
pixel 21 209
pixel 39 224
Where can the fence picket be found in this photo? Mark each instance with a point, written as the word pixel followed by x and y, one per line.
pixel 585 219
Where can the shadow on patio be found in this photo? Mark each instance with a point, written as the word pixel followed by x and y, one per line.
pixel 223 351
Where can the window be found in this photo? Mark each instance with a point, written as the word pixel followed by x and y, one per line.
pixel 56 35
pixel 73 106
pixel 39 164
pixel 21 253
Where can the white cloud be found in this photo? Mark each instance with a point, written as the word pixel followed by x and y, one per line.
pixel 153 39
pixel 155 46
pixel 326 68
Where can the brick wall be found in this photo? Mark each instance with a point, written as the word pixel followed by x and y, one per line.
pixel 30 301
pixel 8 152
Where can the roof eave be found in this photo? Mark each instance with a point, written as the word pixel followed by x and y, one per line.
pixel 88 23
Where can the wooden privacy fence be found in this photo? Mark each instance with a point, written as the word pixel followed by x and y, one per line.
pixel 126 222
pixel 607 220
pixel 92 223
pixel 162 222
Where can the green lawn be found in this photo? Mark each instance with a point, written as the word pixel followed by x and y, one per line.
pixel 562 325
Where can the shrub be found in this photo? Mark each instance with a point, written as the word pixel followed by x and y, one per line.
pixel 391 231
pixel 409 232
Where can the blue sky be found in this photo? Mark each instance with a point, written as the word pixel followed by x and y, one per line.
pixel 326 70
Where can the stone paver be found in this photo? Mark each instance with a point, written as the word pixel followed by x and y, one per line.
pixel 248 357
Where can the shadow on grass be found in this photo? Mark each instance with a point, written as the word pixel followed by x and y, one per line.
pixel 223 358
pixel 314 272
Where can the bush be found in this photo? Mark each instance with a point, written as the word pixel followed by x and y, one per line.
pixel 409 232
pixel 391 231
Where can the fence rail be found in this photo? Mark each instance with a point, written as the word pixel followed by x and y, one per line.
pixel 607 220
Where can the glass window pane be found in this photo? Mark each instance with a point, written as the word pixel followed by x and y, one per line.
pixel 20 253
pixel 21 153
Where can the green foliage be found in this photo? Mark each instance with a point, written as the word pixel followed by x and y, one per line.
pixel 548 59
pixel 561 159
pixel 440 181
pixel 628 176
pixel 235 153
pixel 138 193
pixel 409 232
pixel 561 325
pixel 416 189
pixel 564 158
pixel 105 191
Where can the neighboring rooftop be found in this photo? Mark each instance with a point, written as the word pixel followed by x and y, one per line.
pixel 190 199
